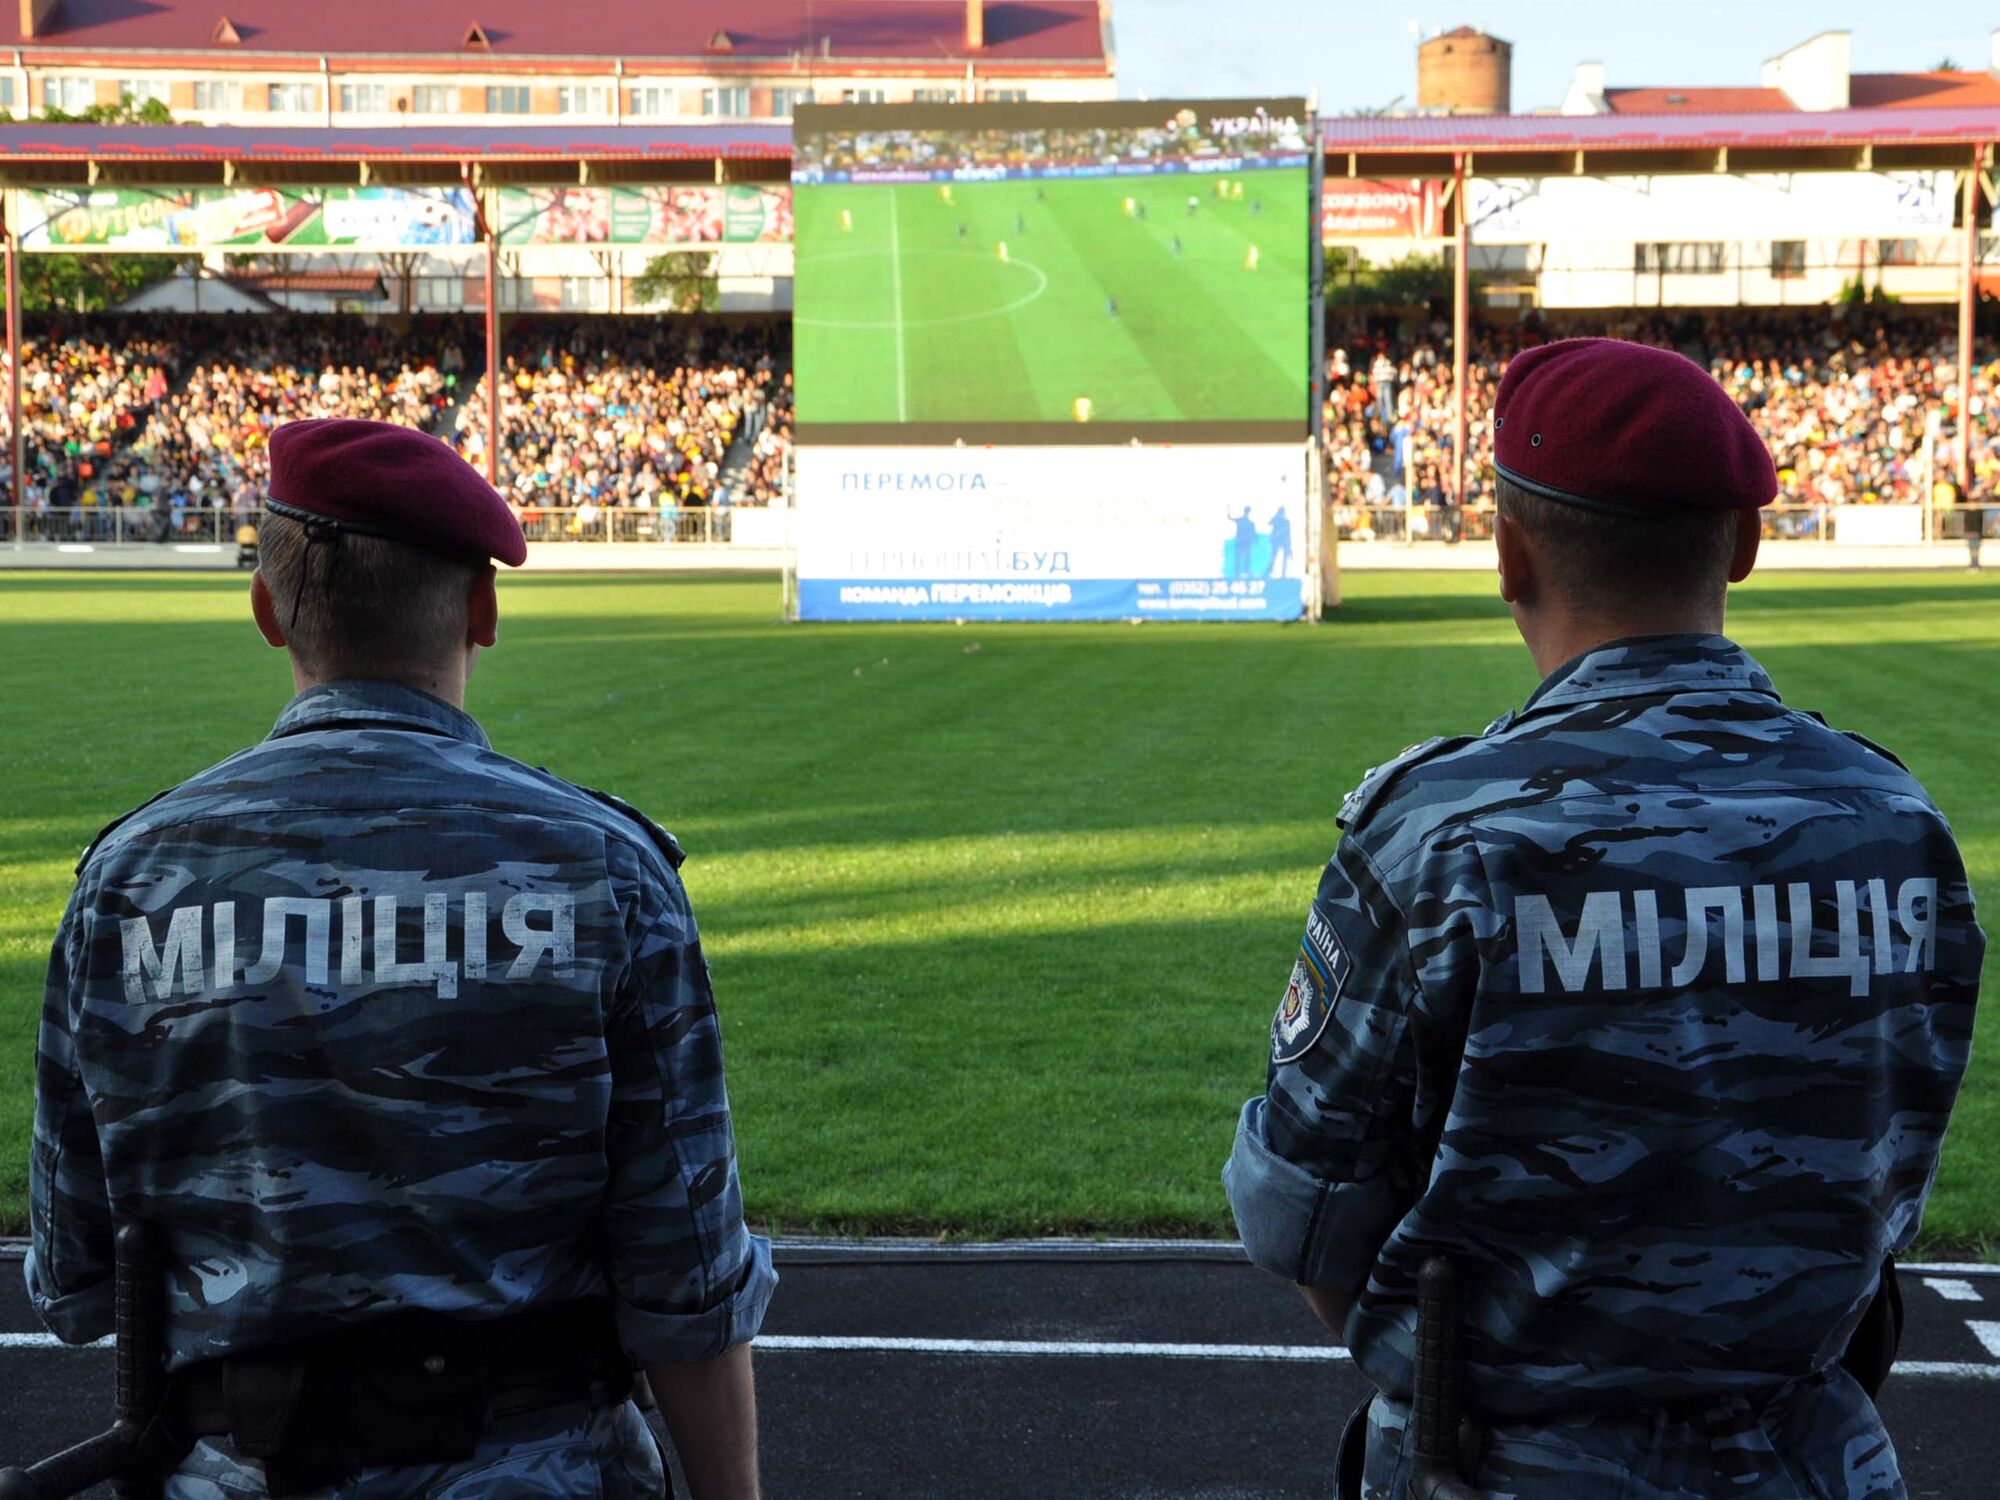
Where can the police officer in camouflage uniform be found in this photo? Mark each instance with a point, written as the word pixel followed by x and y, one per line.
pixel 410 1050
pixel 1646 1007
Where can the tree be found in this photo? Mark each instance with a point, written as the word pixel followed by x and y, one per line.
pixel 1945 64
pixel 87 283
pixel 683 279
pixel 150 112
pixel 1412 281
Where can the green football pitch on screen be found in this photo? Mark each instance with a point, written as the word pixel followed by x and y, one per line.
pixel 1156 299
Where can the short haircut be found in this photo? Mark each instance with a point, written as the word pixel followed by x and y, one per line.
pixel 1604 562
pixel 364 606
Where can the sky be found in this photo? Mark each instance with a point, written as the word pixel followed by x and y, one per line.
pixel 1363 56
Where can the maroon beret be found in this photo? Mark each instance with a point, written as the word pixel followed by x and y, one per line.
pixel 1626 428
pixel 388 481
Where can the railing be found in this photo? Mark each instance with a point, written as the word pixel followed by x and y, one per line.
pixel 167 526
pixel 1852 525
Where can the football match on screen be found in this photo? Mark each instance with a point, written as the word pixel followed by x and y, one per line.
pixel 998 750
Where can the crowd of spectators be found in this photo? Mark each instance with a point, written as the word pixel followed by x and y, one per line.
pixel 634 414
pixel 1856 409
pixel 167 418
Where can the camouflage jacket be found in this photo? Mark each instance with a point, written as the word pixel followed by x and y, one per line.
pixel 1648 1006
pixel 370 1017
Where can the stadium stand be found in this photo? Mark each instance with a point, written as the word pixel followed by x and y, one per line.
pixel 1861 410
pixel 167 418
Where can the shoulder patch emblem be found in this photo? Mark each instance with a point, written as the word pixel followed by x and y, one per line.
pixel 1317 976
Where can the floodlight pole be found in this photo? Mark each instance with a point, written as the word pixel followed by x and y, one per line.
pixel 1459 298
pixel 1968 301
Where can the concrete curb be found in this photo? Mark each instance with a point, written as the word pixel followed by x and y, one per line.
pixel 906 1251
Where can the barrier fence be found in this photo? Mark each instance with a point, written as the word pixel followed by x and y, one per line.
pixel 92 526
pixel 102 525
pixel 1850 525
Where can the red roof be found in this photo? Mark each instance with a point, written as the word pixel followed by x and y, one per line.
pixel 1794 128
pixel 1921 90
pixel 325 283
pixel 913 31
pixel 1719 101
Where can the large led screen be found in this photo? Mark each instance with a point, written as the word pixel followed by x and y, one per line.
pixel 1053 273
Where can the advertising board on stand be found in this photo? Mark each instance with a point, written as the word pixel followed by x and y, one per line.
pixel 1362 209
pixel 697 215
pixel 351 218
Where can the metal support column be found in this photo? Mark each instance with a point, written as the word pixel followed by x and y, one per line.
pixel 1968 300
pixel 1460 291
pixel 492 358
pixel 15 446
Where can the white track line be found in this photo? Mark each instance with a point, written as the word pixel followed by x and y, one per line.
pixel 1918 1369
pixel 1053 1349
pixel 1987 1334
pixel 1952 1289
pixel 896 280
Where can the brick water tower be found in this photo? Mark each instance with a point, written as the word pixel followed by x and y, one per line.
pixel 1465 72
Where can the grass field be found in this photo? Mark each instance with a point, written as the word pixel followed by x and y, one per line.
pixel 997 915
pixel 908 313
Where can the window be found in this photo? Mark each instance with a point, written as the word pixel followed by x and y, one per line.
pixel 72 95
pixel 1006 96
pixel 1898 253
pixel 136 91
pixel 507 99
pixel 1788 259
pixel 294 98
pixel 785 101
pixel 217 95
pixel 730 102
pixel 364 98
pixel 433 99
pixel 6 92
pixel 655 99
pixel 934 96
pixel 1683 258
pixel 864 96
pixel 583 99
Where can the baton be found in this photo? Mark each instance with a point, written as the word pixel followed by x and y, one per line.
pixel 139 1314
pixel 1437 1405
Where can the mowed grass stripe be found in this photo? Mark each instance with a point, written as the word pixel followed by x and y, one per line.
pixel 996 934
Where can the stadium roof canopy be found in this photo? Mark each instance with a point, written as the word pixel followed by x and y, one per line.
pixel 493 35
pixel 194 155
pixel 1844 140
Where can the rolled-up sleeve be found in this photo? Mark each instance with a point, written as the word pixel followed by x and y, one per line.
pixel 69 1261
pixel 1322 1166
pixel 689 1281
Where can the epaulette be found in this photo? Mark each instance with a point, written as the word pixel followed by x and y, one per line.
pixel 1355 807
pixel 1859 739
pixel 116 823
pixel 668 844
pixel 1888 755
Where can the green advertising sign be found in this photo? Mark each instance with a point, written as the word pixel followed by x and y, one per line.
pixel 359 218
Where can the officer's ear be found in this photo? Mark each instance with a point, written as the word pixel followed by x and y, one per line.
pixel 1517 558
pixel 482 612
pixel 265 611
pixel 1749 533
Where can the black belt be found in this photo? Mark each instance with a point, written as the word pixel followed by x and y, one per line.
pixel 405 1389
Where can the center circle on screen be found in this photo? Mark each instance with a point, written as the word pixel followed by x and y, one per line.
pixel 1013 263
